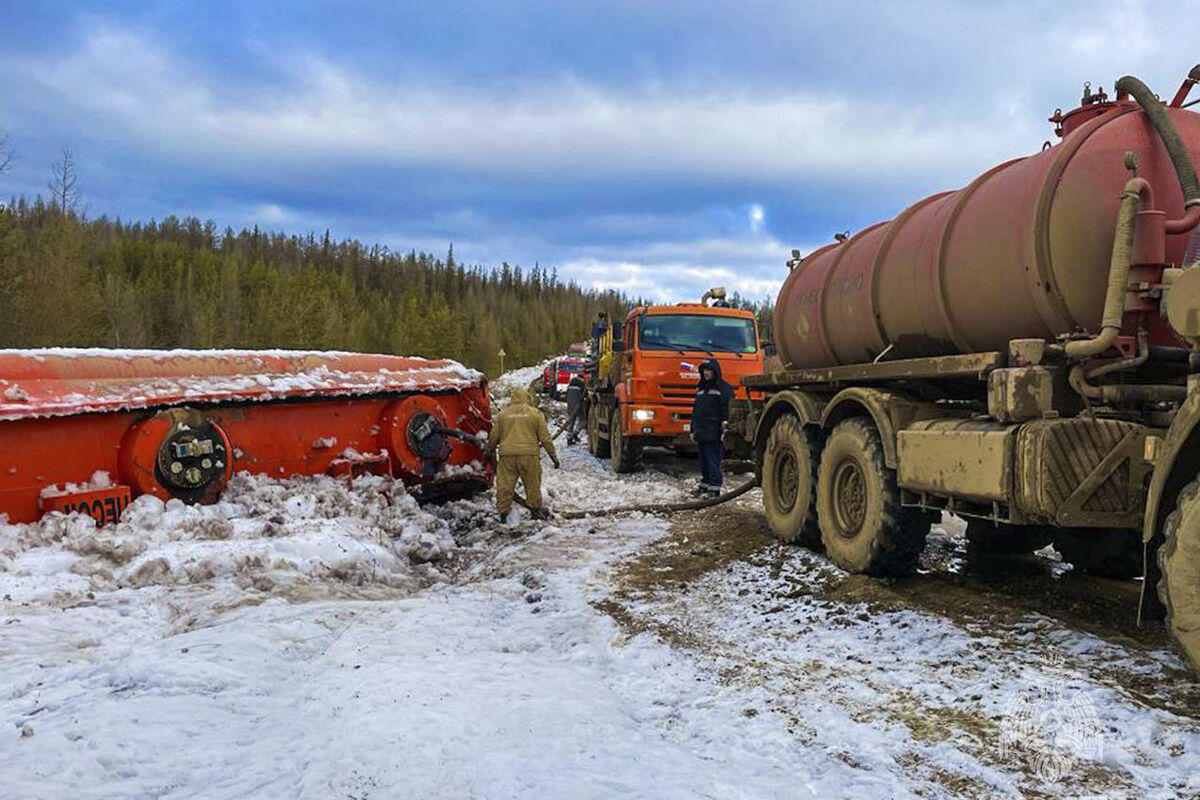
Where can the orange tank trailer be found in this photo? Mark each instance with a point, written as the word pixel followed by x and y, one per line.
pixel 88 430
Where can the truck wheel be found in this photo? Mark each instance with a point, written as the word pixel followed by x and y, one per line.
pixel 1179 563
pixel 626 451
pixel 597 445
pixel 863 527
pixel 985 536
pixel 789 479
pixel 1099 551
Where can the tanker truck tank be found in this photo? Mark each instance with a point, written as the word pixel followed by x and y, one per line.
pixel 1022 252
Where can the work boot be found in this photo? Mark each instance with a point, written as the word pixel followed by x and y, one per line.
pixel 539 513
pixel 503 515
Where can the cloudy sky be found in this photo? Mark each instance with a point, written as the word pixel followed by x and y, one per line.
pixel 656 147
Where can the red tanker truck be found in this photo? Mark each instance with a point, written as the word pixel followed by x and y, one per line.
pixel 1023 352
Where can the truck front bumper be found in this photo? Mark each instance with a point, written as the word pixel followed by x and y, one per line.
pixel 658 421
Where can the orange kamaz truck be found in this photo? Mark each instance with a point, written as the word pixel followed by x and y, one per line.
pixel 643 379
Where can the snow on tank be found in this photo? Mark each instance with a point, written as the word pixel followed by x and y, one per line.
pixel 179 423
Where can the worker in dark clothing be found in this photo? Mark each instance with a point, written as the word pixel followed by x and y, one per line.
pixel 709 414
pixel 599 328
pixel 519 433
pixel 600 325
pixel 575 421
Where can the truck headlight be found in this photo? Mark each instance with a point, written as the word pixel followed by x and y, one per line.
pixel 643 414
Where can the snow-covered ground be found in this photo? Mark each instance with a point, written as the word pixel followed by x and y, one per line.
pixel 308 638
pixel 522 377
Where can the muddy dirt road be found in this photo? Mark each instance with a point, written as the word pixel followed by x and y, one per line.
pixel 1031 669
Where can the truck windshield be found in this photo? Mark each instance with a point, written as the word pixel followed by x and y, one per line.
pixel 696 332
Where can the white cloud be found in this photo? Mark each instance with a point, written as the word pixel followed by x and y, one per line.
pixel 272 213
pixel 756 217
pixel 676 271
pixel 127 86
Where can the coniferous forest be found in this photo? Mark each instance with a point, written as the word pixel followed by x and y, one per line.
pixel 183 283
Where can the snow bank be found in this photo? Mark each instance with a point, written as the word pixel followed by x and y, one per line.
pixel 99 480
pixel 267 537
pixel 513 378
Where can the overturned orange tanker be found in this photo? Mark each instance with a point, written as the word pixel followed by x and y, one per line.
pixel 89 429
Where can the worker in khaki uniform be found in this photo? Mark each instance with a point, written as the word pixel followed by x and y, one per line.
pixel 518 433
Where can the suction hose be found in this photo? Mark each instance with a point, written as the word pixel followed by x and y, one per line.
pixel 1181 159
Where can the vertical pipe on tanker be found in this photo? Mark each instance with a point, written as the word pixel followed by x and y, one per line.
pixel 1118 272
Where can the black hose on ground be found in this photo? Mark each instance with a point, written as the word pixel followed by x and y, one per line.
pixel 666 508
pixel 567 424
pixel 648 508
pixel 1181 159
pixel 652 508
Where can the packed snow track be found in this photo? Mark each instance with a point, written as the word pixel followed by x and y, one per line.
pixel 312 638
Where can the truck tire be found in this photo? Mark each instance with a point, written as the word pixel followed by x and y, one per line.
pixel 863 527
pixel 597 444
pixel 789 483
pixel 1098 551
pixel 626 451
pixel 1179 564
pixel 985 536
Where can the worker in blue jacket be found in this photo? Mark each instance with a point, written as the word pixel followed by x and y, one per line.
pixel 710 411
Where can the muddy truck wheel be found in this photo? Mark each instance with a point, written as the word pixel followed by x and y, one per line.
pixel 863 527
pixel 789 483
pixel 1108 553
pixel 597 445
pixel 985 536
pixel 1179 564
pixel 626 451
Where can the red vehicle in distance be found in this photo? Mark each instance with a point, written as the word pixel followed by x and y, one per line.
pixel 557 374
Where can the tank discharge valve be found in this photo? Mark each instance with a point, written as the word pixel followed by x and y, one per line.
pixel 426 438
pixel 191 459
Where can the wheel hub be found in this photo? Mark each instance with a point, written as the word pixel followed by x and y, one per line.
pixel 849 498
pixel 787 481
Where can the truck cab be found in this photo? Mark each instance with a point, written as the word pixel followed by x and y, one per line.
pixel 564 369
pixel 642 386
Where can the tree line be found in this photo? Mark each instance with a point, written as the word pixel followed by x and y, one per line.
pixel 70 281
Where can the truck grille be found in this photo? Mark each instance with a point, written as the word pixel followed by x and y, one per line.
pixel 678 391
